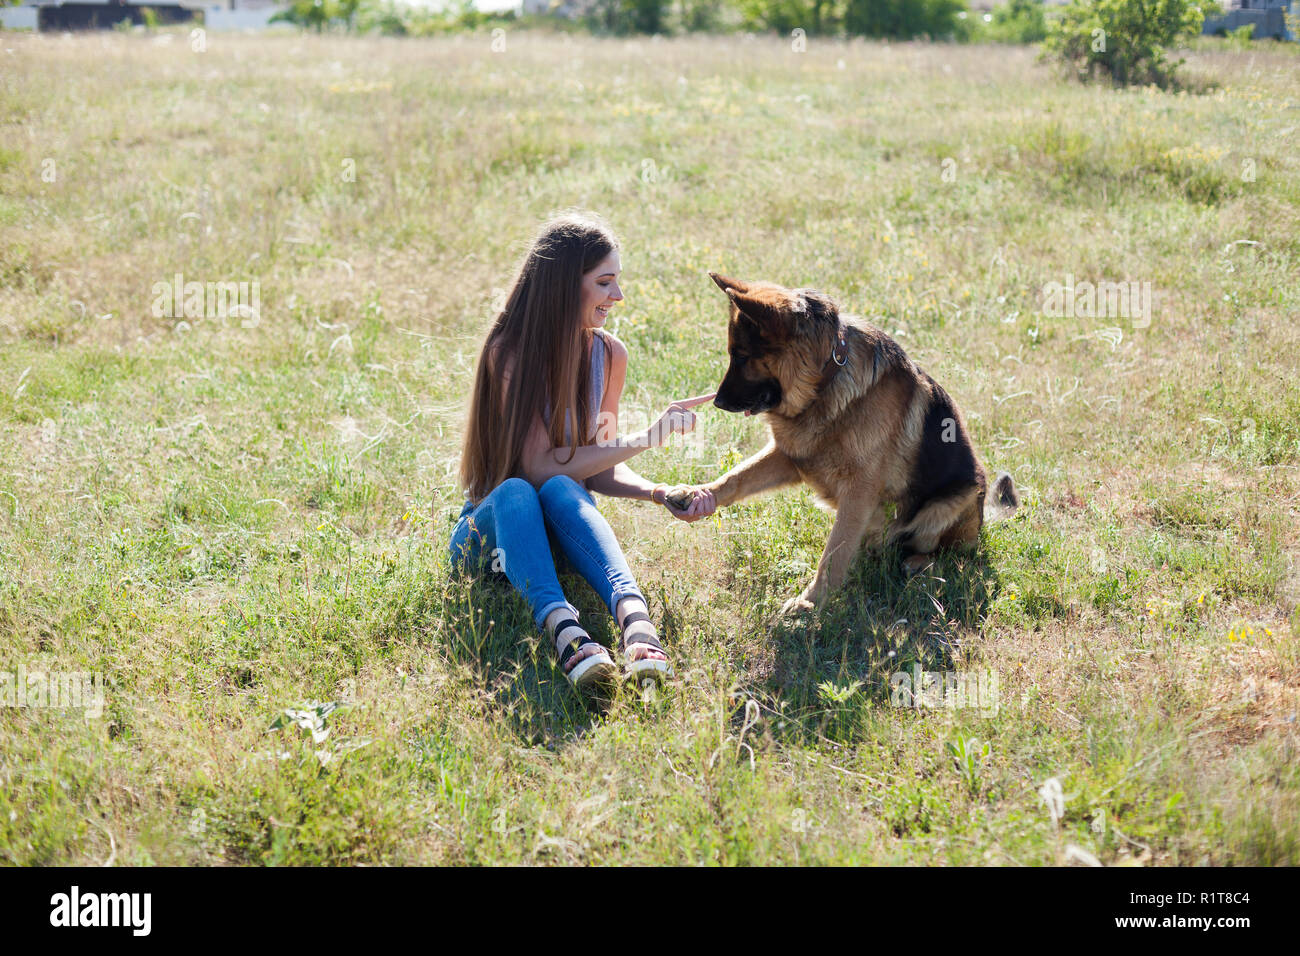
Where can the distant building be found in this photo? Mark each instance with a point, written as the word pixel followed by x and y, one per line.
pixel 568 9
pixel 103 14
pixel 1269 18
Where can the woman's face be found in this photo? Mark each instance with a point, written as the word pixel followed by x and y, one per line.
pixel 600 291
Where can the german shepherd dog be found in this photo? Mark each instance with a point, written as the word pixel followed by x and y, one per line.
pixel 850 414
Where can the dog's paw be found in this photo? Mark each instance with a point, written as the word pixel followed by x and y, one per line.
pixel 797 607
pixel 680 498
pixel 917 563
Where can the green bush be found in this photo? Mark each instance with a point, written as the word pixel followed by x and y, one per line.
pixel 391 18
pixel 1124 40
pixel 385 18
pixel 702 15
pixel 1239 39
pixel 629 16
pixel 783 16
pixel 902 19
pixel 1019 21
pixel 306 13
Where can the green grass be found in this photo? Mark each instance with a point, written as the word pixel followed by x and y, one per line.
pixel 228 522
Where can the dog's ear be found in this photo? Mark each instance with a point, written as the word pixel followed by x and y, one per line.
pixel 726 284
pixel 767 310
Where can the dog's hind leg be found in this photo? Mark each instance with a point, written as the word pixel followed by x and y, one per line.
pixel 965 531
pixel 950 521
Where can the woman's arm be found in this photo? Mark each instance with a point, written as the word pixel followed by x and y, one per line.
pixel 541 461
pixel 618 481
pixel 621 481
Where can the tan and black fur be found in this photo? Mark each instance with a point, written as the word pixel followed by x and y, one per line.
pixel 873 430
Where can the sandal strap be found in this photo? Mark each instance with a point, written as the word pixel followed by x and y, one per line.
pixel 563 626
pixel 651 639
pixel 576 644
pixel 648 639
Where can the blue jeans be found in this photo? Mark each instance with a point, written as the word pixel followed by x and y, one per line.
pixel 509 532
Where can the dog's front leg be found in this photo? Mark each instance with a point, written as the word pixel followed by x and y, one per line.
pixel 769 469
pixel 857 516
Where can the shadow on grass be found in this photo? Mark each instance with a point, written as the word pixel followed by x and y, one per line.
pixel 833 666
pixel 830 675
pixel 492 634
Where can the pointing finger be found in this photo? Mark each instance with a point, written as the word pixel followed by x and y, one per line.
pixel 697 400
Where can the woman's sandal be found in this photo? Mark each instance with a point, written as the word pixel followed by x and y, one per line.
pixel 594 669
pixel 646 668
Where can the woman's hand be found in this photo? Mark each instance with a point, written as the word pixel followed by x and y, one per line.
pixel 702 502
pixel 678 419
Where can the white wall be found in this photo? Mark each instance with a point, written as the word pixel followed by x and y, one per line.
pixel 219 18
pixel 19 18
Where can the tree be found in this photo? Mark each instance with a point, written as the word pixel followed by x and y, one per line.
pixel 1125 40
pixel 902 19
pixel 1020 21
pixel 629 16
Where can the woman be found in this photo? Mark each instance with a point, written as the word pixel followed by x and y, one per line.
pixel 543 434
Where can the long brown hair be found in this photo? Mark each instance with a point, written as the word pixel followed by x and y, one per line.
pixel 540 336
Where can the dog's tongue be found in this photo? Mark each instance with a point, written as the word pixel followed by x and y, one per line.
pixel 748 413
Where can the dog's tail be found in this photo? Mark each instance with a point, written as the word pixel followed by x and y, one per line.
pixel 1002 499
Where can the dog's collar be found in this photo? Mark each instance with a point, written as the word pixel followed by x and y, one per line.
pixel 839 358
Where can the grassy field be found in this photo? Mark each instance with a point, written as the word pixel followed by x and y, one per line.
pixel 227 518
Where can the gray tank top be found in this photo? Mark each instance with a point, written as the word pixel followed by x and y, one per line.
pixel 598 348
